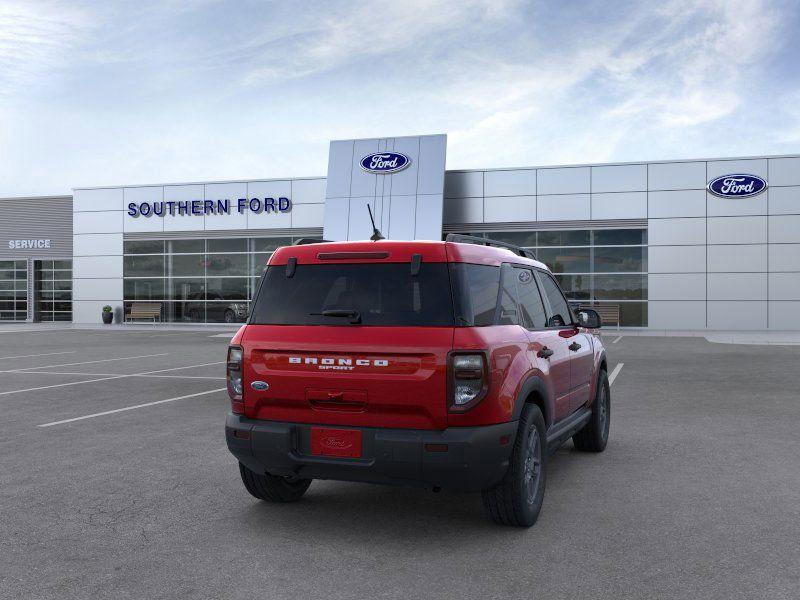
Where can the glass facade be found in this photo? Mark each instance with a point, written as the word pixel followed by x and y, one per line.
pixel 197 280
pixel 600 266
pixel 53 290
pixel 13 290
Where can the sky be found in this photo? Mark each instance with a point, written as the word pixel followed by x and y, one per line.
pixel 111 93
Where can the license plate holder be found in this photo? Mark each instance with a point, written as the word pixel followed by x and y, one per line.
pixel 338 443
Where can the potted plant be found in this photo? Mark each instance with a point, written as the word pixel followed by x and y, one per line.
pixel 108 315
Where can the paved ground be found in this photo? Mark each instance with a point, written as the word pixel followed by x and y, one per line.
pixel 697 495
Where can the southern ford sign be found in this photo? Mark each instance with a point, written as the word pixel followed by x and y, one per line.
pixel 737 186
pixel 385 163
pixel 209 207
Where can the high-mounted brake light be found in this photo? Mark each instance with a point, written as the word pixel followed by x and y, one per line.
pixel 468 380
pixel 234 377
pixel 351 255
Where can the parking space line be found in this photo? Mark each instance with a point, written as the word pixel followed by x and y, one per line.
pixel 112 374
pixel 615 372
pixel 616 340
pixel 118 410
pixel 86 362
pixel 48 387
pixel 34 355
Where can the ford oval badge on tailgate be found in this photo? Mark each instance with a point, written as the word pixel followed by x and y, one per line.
pixel 384 163
pixel 259 385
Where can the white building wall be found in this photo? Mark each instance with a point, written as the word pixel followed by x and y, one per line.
pixel 100 221
pixel 713 262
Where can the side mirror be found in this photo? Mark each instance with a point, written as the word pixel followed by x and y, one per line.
pixel 588 318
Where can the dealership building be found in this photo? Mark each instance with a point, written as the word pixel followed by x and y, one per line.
pixel 681 244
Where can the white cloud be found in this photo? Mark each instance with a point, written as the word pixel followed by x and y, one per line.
pixel 350 32
pixel 661 68
pixel 96 93
pixel 34 38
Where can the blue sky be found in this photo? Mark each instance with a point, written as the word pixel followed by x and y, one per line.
pixel 95 93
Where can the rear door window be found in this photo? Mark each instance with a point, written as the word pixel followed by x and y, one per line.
pixel 560 315
pixel 383 294
pixel 509 312
pixel 530 300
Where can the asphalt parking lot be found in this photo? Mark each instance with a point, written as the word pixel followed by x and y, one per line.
pixel 697 495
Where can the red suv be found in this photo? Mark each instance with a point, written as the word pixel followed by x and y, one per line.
pixel 455 364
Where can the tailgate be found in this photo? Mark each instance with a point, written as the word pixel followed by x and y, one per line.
pixel 388 377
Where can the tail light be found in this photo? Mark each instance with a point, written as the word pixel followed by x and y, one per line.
pixel 468 380
pixel 234 376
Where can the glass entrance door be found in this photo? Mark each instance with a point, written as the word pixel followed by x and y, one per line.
pixel 53 290
pixel 13 290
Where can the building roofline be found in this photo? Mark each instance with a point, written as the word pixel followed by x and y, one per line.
pixel 141 185
pixel 626 163
pixel 492 169
pixel 56 197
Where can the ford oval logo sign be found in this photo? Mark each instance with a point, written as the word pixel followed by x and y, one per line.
pixel 737 186
pixel 384 163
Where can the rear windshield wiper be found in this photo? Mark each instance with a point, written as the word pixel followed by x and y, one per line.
pixel 353 315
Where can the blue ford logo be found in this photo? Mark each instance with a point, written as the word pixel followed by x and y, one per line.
pixel 737 186
pixel 384 163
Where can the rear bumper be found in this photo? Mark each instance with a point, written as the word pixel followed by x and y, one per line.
pixel 475 459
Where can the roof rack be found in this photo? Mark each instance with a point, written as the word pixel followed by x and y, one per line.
pixel 472 239
pixel 304 241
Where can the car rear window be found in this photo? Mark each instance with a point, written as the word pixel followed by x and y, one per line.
pixel 384 294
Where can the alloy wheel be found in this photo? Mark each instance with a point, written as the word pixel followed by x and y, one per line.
pixel 533 465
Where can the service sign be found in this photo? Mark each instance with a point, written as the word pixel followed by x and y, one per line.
pixel 28 244
pixel 737 186
pixel 385 163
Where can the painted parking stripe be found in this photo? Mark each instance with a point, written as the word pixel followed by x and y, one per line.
pixel 34 355
pixel 57 385
pixel 615 372
pixel 113 374
pixel 616 340
pixel 127 408
pixel 85 362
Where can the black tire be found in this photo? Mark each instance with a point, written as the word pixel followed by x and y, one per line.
pixel 594 435
pixel 271 487
pixel 517 500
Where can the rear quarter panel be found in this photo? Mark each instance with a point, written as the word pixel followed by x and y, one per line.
pixel 509 366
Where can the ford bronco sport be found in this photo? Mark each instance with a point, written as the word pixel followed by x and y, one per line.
pixel 455 365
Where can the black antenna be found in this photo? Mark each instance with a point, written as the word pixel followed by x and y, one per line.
pixel 376 235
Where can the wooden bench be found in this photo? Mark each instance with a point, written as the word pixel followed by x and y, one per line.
pixel 609 313
pixel 144 310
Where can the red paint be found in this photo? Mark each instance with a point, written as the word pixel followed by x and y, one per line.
pixel 397 377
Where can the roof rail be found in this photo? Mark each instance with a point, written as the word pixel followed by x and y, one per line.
pixel 304 241
pixel 472 239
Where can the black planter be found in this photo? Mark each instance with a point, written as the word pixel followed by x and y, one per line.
pixel 108 317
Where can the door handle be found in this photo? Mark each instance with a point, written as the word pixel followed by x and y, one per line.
pixel 574 346
pixel 545 352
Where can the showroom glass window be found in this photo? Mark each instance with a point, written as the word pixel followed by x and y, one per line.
pixel 197 280
pixel 593 266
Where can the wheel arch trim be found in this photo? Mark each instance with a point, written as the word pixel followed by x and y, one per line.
pixel 535 384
